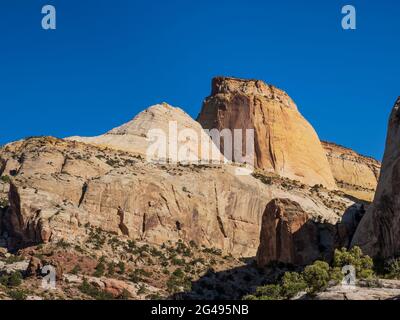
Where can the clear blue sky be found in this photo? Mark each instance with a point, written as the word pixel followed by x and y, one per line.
pixel 108 60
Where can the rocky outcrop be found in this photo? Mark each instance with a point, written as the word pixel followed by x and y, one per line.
pixel 355 174
pixel 285 143
pixel 61 187
pixel 291 235
pixel 379 231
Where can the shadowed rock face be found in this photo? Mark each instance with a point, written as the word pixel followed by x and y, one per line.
pixel 285 143
pixel 379 231
pixel 290 235
pixel 287 234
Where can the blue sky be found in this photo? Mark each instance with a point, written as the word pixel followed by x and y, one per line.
pixel 109 60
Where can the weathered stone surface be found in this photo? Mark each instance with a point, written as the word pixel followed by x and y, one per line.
pixel 387 290
pixel 291 235
pixel 192 143
pixel 285 143
pixel 355 174
pixel 379 231
pixel 150 202
pixel 287 234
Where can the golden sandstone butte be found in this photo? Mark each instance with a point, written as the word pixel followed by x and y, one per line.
pixel 285 143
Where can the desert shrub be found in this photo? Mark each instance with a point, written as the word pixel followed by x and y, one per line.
pixel 292 283
pixel 177 262
pixel 121 267
pixel 17 294
pixel 363 264
pixel 11 280
pixel 100 269
pixel 175 283
pixel 336 275
pixel 392 268
pixel 138 274
pixel 178 273
pixel 94 292
pixel 142 289
pixel 316 276
pixel 111 268
pixel 62 244
pixel 5 179
pixel 125 295
pixel 267 292
pixel 76 269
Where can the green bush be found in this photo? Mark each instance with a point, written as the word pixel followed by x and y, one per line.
pixel 292 283
pixel 269 292
pixel 17 294
pixel 317 276
pixel 100 269
pixel 5 179
pixel 392 268
pixel 363 264
pixel 121 267
pixel 11 280
pixel 336 275
pixel 92 291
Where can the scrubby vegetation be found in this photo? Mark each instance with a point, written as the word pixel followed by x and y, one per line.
pixel 317 277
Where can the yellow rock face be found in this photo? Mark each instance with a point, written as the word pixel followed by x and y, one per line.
pixel 285 143
pixel 355 174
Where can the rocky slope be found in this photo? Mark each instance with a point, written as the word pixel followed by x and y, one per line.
pixel 354 174
pixel 285 143
pixel 378 232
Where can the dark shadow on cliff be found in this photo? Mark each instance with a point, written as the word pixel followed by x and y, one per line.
pixel 243 280
pixel 233 283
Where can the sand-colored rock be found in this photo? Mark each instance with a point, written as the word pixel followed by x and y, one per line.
pixel 285 143
pixel 185 140
pixel 123 194
pixel 379 231
pixel 355 174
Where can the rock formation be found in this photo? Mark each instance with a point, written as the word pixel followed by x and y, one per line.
pixel 58 187
pixel 287 234
pixel 379 231
pixel 291 235
pixel 355 174
pixel 160 133
pixel 285 143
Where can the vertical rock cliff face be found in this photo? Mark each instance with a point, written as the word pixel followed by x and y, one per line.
pixel 355 174
pixel 285 143
pixel 379 231
pixel 287 234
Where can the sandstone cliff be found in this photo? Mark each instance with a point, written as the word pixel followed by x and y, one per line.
pixel 59 187
pixel 355 174
pixel 290 235
pixel 285 143
pixel 379 231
